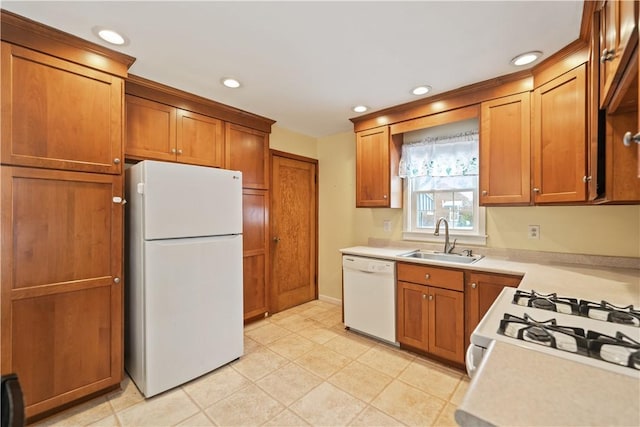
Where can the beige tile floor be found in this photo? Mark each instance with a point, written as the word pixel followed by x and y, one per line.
pixel 300 368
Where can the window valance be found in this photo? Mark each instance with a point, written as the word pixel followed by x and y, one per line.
pixel 441 156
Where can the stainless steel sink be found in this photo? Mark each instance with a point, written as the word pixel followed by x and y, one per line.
pixel 441 256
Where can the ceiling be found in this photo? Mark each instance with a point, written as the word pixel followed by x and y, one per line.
pixel 306 64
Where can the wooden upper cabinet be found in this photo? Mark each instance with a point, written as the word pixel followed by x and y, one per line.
pixel 377 158
pixel 200 139
pixel 247 150
pixel 151 129
pixel 60 115
pixel 618 37
pixel 162 132
pixel 61 324
pixel 559 124
pixel 505 150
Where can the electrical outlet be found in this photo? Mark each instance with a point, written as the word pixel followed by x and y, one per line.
pixel 386 224
pixel 534 232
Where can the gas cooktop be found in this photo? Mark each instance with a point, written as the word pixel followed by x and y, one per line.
pixel 599 334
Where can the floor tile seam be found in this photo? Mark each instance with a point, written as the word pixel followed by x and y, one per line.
pixel 390 415
pixel 297 357
pixel 352 395
pixel 203 408
pixel 113 410
pixel 369 405
pixel 431 394
pixel 324 382
pixel 290 363
pixel 277 415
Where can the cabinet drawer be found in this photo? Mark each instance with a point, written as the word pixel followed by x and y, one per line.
pixel 432 276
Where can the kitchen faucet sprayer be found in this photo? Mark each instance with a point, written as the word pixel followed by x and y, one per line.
pixel 448 247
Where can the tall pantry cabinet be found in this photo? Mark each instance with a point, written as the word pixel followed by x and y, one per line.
pixel 62 215
pixel 204 132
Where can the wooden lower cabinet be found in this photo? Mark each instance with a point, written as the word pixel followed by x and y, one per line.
pixel 481 291
pixel 255 227
pixel 431 318
pixel 61 305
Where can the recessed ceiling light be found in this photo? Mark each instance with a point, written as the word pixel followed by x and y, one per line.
pixel 229 82
pixel 360 108
pixel 526 58
pixel 421 90
pixel 110 36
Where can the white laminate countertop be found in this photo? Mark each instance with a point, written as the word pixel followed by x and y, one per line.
pixel 515 386
pixel 519 387
pixel 620 286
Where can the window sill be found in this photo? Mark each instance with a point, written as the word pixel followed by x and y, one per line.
pixel 461 239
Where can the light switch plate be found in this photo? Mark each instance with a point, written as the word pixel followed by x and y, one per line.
pixel 386 224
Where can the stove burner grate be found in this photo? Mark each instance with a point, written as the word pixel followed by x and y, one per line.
pixel 601 311
pixel 611 313
pixel 550 302
pixel 620 350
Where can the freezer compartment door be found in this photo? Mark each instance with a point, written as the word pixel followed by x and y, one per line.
pixel 193 310
pixel 189 201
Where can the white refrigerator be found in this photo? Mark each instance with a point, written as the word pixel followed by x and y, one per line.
pixel 183 291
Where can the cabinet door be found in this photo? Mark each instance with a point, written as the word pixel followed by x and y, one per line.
pixel 481 291
pixel 247 150
pixel 61 300
pixel 151 130
pixel 59 115
pixel 505 153
pixel 617 37
pixel 199 140
pixel 622 183
pixel 376 157
pixel 446 324
pixel 413 315
pixel 255 241
pixel 559 139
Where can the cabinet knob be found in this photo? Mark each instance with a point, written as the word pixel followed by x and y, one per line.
pixel 180 151
pixel 276 239
pixel 630 138
pixel 116 161
pixel 586 179
pixel 485 192
pixel 427 276
pixel 424 296
pixel 116 280
pixel 607 55
pixel 384 197
pixel 536 190
pixel 430 297
pixel 474 285
pixel 173 151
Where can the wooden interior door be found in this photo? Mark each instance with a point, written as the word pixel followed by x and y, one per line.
pixel 294 229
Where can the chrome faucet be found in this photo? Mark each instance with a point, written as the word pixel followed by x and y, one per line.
pixel 447 246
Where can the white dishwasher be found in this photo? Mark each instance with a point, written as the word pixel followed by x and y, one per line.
pixel 369 299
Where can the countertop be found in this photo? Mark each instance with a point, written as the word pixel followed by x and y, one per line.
pixel 544 390
pixel 515 386
pixel 621 286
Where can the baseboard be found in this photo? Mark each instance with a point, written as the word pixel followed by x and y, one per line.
pixel 332 300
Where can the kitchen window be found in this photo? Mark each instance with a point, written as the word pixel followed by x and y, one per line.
pixel 440 171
